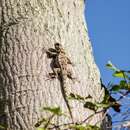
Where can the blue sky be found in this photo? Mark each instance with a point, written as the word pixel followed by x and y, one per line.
pixel 108 24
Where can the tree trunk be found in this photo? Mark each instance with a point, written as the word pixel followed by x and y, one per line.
pixel 27 29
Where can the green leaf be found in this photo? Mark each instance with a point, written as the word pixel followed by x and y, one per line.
pixel 41 128
pixel 116 88
pixel 103 105
pixel 75 96
pixel 2 127
pixel 72 96
pixel 120 74
pixel 93 127
pixel 91 106
pixel 106 96
pixel 54 110
pixel 87 127
pixel 78 97
pixel 110 66
pixel 123 84
pixel 78 127
pixel 128 86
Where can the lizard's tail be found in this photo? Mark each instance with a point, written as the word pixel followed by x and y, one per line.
pixel 65 95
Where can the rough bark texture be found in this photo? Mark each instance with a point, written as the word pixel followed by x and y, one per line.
pixel 27 29
pixel 107 123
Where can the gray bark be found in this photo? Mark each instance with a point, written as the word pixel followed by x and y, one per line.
pixel 27 29
pixel 107 123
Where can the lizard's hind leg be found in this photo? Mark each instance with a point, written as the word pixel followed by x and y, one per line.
pixel 70 76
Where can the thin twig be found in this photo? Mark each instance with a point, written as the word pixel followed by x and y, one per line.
pixel 91 116
pixel 48 122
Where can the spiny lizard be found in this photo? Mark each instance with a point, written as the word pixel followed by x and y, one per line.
pixel 59 66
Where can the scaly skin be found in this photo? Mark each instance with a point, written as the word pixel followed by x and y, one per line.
pixel 60 62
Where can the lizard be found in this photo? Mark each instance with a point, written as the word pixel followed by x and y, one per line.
pixel 59 67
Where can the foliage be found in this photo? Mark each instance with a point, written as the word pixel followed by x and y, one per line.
pixel 86 127
pixel 54 110
pixel 124 83
pixel 73 96
pixel 122 91
pixel 47 123
pixel 122 88
pixel 109 101
pixel 2 127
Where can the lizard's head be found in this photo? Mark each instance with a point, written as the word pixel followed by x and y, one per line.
pixel 58 46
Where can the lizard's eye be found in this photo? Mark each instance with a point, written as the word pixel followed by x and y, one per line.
pixel 57 45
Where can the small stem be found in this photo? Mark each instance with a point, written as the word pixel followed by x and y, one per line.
pixel 91 116
pixel 48 122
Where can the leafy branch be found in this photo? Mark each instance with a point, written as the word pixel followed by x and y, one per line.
pixel 97 107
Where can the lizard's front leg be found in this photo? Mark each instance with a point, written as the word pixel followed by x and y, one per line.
pixel 55 73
